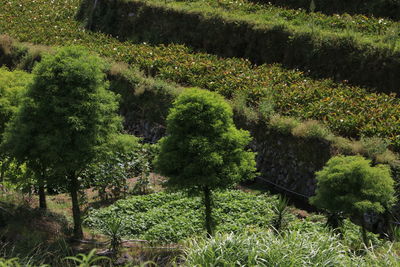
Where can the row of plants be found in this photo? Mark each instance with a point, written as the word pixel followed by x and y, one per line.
pixel 270 14
pixel 377 8
pixel 172 217
pixel 326 46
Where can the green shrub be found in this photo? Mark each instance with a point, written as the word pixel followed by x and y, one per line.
pixel 12 91
pixel 311 129
pixel 350 186
pixel 282 124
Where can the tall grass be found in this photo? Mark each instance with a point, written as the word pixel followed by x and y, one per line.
pixel 290 248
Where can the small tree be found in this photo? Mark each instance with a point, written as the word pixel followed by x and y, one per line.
pixel 203 150
pixel 12 90
pixel 68 117
pixel 351 186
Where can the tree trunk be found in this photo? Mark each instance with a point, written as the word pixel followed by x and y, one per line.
pixel 2 171
pixel 42 195
pixel 208 211
pixel 76 212
pixel 363 231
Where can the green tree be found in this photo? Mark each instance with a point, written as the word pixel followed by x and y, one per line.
pixel 351 186
pixel 203 150
pixel 12 90
pixel 67 118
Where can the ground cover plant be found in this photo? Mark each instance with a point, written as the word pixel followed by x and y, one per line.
pixel 172 217
pixel 349 111
pixel 314 247
pixel 315 43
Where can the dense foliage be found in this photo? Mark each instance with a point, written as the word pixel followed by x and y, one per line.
pixel 167 217
pixel 203 148
pixel 12 90
pixel 352 186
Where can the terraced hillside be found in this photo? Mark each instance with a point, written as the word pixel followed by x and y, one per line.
pixel 346 110
pixel 377 8
pixel 362 50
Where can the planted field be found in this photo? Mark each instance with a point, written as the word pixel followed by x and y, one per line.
pixel 169 218
pixel 364 51
pixel 349 111
pixel 377 8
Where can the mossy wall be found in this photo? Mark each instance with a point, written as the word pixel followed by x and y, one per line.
pixel 337 57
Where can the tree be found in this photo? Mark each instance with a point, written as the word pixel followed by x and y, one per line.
pixel 351 186
pixel 12 90
pixel 203 150
pixel 67 118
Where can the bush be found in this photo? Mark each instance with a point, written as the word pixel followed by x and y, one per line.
pixel 350 186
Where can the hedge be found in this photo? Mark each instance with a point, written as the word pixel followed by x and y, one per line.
pixel 378 8
pixel 341 56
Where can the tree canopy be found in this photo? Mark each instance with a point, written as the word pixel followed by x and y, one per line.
pixel 349 184
pixel 203 146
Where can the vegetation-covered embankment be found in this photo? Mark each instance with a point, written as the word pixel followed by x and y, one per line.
pixel 376 8
pixel 360 50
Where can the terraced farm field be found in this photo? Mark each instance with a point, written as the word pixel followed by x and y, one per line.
pixel 347 110
pixel 363 51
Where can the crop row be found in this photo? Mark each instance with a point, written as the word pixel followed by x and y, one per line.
pixel 377 8
pixel 324 45
pixel 298 19
pixel 349 111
